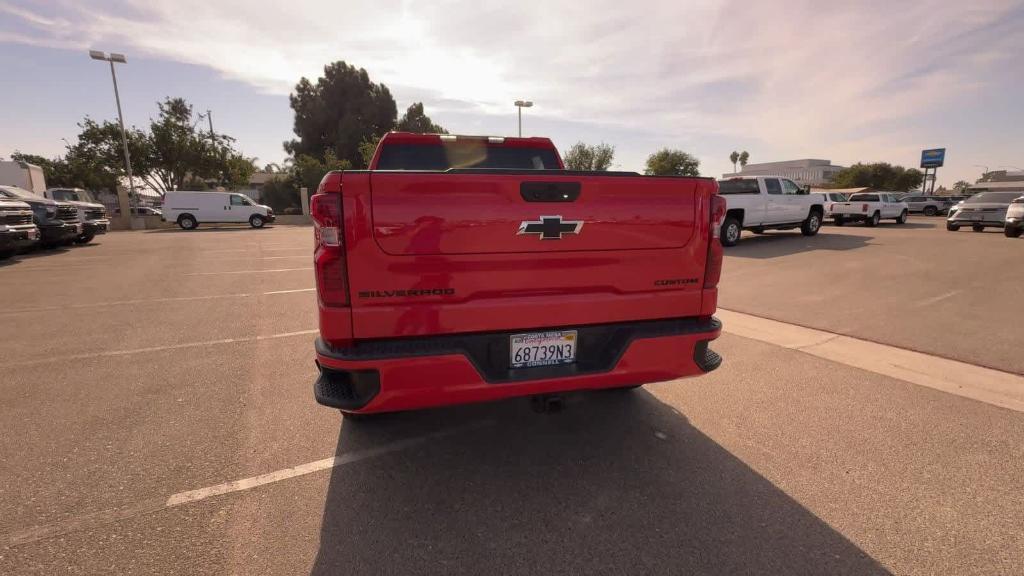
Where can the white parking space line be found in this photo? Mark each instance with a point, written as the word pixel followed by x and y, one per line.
pixel 951 376
pixel 119 303
pixel 245 271
pixel 141 301
pixel 115 353
pixel 148 506
pixel 291 291
pixel 939 298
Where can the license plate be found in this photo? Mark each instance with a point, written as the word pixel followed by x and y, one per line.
pixel 542 349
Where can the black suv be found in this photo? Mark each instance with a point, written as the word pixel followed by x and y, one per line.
pixel 57 221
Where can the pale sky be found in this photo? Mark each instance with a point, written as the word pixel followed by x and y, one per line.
pixel 859 81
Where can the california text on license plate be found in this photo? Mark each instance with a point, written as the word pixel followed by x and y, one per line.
pixel 542 348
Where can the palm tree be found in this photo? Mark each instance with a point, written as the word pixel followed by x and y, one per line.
pixel 744 156
pixel 734 157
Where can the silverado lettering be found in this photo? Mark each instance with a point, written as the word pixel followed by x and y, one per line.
pixel 676 281
pixel 403 293
pixel 532 317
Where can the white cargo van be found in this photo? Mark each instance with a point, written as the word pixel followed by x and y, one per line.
pixel 189 209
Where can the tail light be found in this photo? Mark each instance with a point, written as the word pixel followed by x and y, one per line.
pixel 713 270
pixel 863 207
pixel 329 251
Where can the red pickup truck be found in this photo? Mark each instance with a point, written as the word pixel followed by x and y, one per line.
pixel 464 269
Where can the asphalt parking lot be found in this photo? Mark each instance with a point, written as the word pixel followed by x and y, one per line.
pixel 158 416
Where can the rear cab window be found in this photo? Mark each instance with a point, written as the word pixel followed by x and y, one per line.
pixel 464 154
pixel 772 186
pixel 864 198
pixel 738 186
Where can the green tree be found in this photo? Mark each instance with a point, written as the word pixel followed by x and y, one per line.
pixel 961 185
pixel 734 158
pixel 338 113
pixel 308 170
pixel 582 156
pixel 280 194
pixel 880 176
pixel 669 162
pixel 744 158
pixel 414 120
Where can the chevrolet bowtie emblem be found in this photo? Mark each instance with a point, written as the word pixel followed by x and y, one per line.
pixel 550 227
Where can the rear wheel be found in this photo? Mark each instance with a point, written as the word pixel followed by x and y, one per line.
pixel 873 220
pixel 1012 232
pixel 902 218
pixel 952 227
pixel 930 210
pixel 811 226
pixel 730 231
pixel 256 221
pixel 187 222
pixel 977 228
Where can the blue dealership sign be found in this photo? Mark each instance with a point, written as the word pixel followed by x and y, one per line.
pixel 933 158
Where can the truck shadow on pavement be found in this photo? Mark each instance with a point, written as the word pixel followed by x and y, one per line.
pixel 773 245
pixel 619 483
pixel 227 228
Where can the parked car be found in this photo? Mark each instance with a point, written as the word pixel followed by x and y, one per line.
pixel 92 214
pixel 983 210
pixel 57 221
pixel 478 285
pixel 759 203
pixel 188 209
pixel 828 199
pixel 928 205
pixel 17 232
pixel 1014 223
pixel 870 208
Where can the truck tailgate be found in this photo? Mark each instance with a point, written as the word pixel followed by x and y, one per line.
pixel 448 252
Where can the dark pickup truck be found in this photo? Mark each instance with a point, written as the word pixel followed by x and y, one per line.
pixel 57 221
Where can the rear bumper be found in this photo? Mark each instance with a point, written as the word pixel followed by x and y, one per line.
pixel 406 374
pixel 969 219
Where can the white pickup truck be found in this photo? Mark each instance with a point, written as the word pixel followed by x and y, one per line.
pixel 759 203
pixel 870 208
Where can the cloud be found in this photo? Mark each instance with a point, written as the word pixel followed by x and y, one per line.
pixel 788 76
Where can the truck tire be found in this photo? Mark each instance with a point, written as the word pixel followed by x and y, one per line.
pixel 902 218
pixel 187 222
pixel 84 238
pixel 838 220
pixel 874 220
pixel 1012 232
pixel 952 227
pixel 811 226
pixel 256 221
pixel 930 210
pixel 977 227
pixel 731 230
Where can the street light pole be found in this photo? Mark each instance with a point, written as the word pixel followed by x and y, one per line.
pixel 112 58
pixel 520 104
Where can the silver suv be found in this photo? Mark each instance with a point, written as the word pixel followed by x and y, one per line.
pixel 929 205
pixel 983 210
